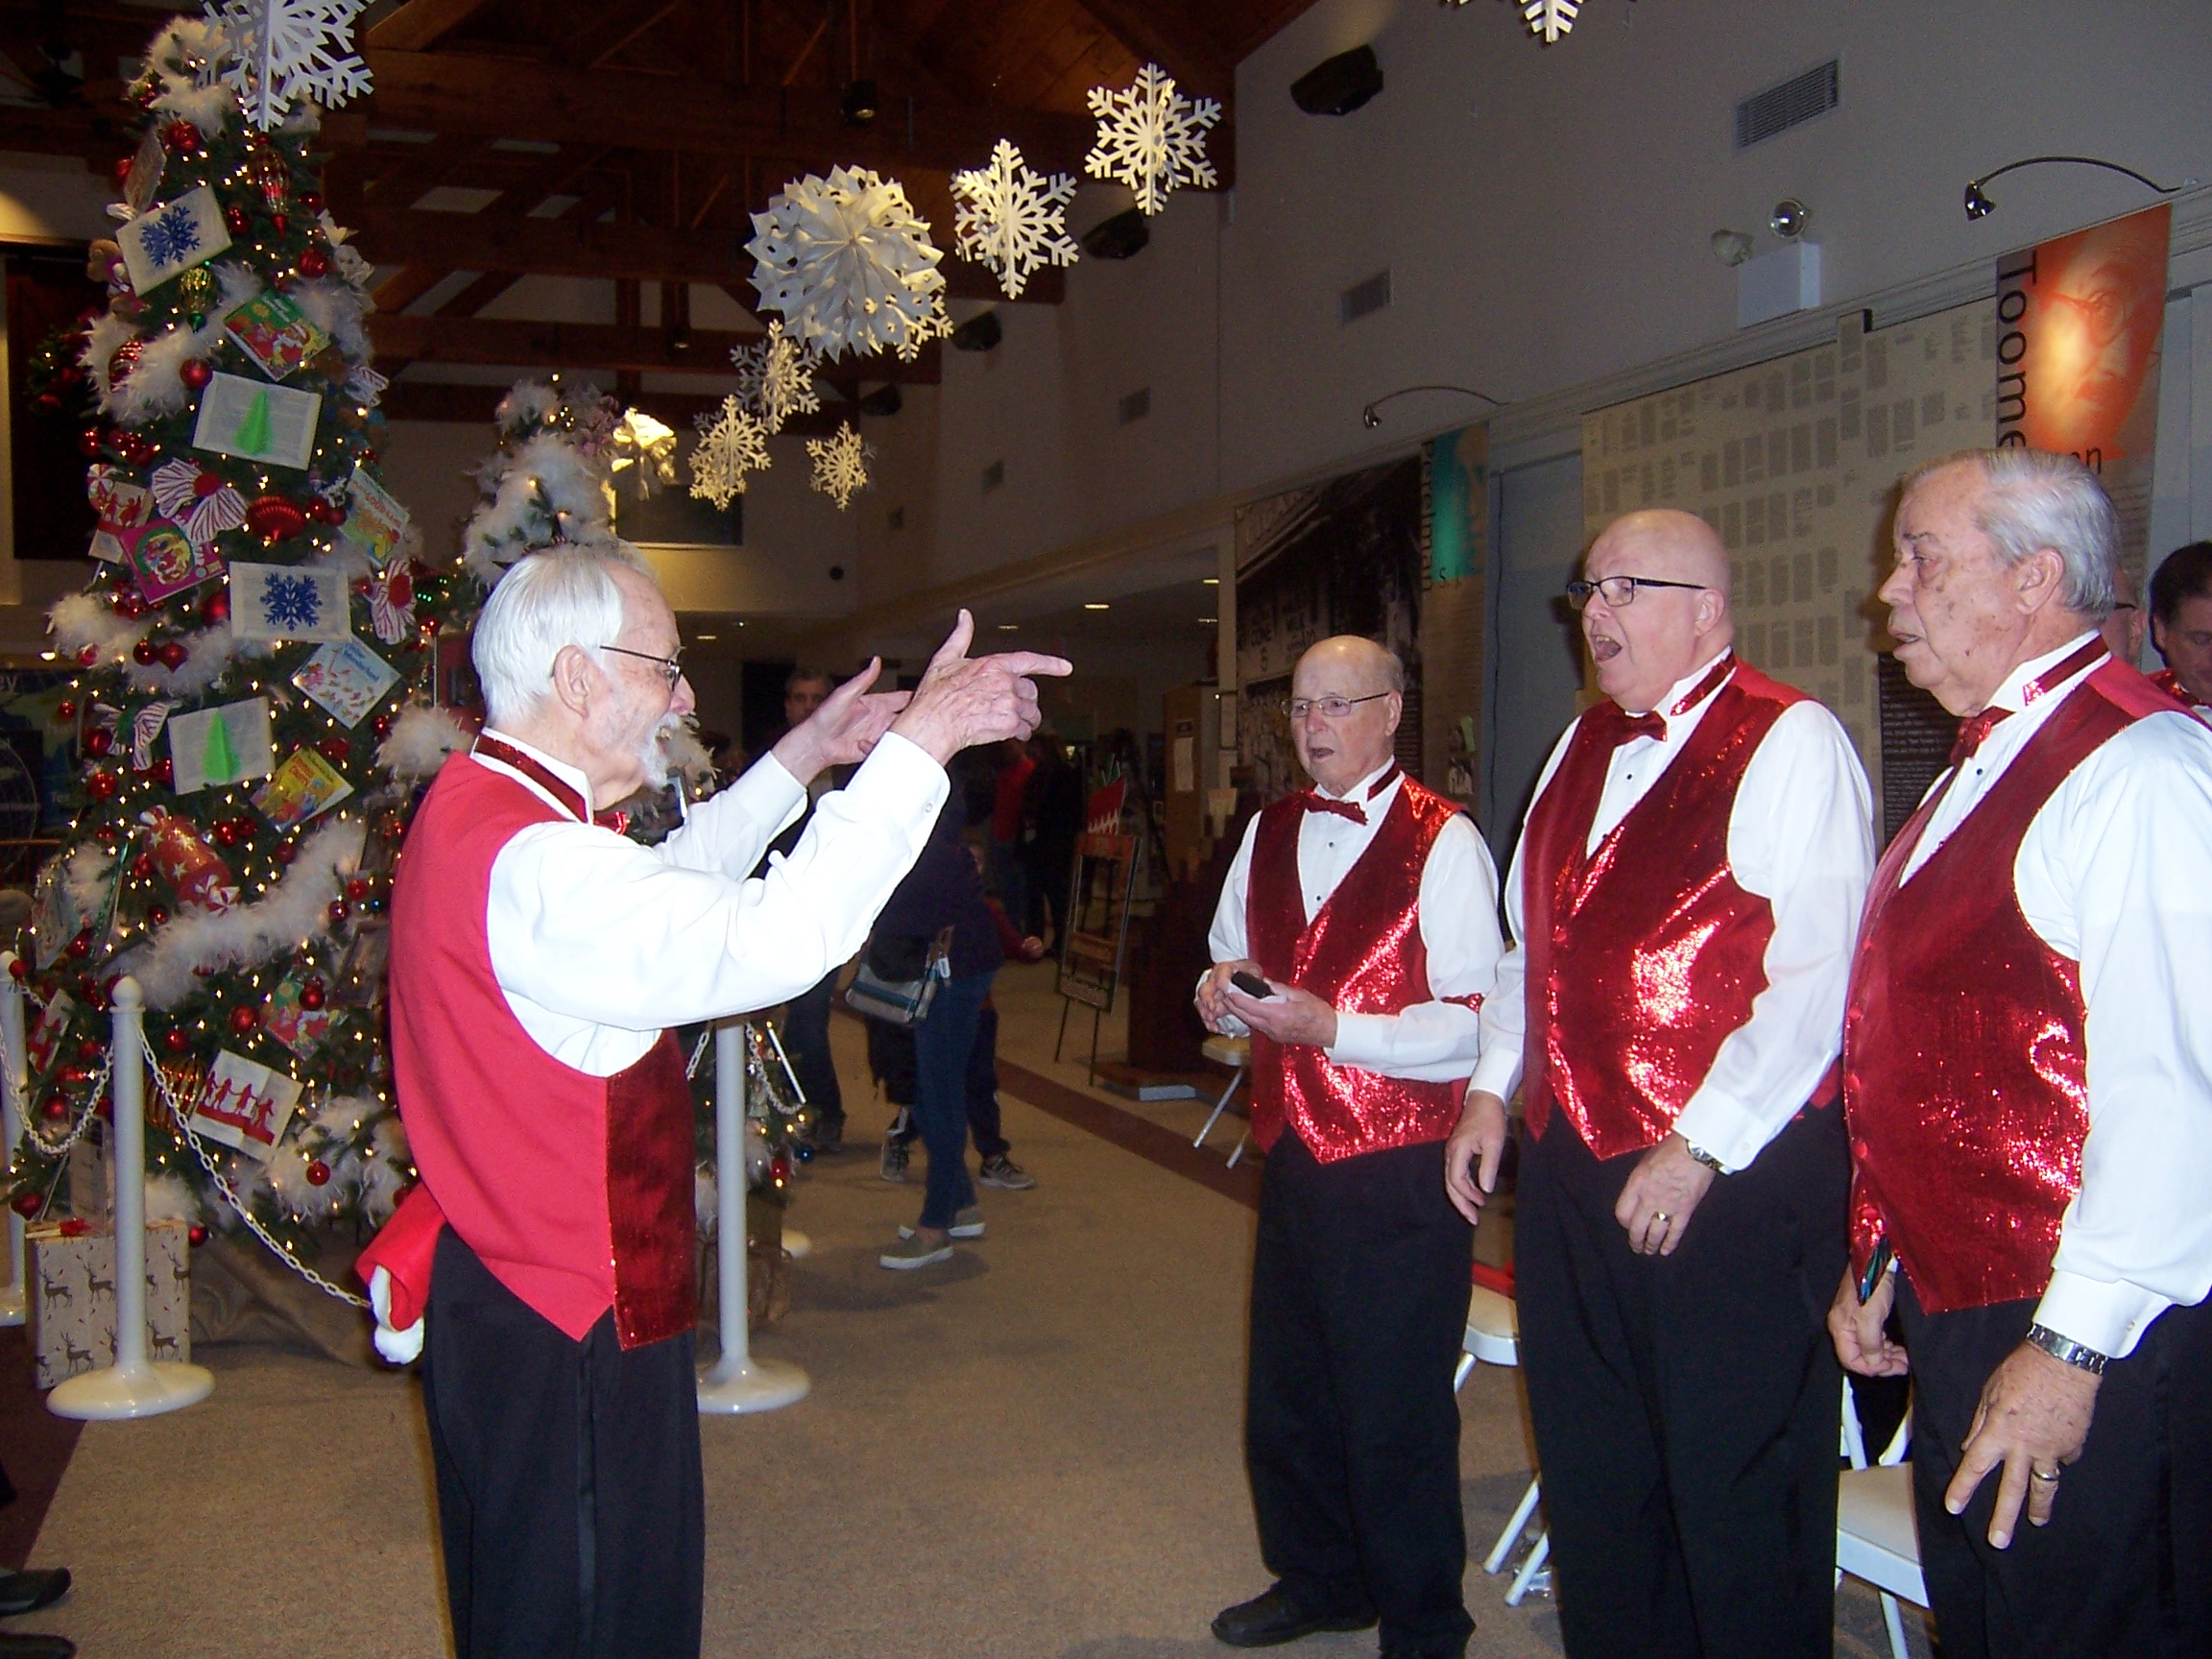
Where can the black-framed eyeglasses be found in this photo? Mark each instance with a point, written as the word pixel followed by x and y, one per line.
pixel 1619 591
pixel 1328 708
pixel 671 669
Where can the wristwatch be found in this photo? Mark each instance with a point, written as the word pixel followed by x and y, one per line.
pixel 2066 1349
pixel 1705 1157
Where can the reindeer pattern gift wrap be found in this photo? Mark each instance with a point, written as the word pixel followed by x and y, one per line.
pixel 72 1296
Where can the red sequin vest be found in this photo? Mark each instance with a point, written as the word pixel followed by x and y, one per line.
pixel 1964 1072
pixel 575 1191
pixel 1362 953
pixel 1644 955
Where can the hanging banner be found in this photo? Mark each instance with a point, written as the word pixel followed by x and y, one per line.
pixel 2079 322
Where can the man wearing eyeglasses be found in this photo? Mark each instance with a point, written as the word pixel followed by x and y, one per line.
pixel 543 1267
pixel 1368 906
pixel 1683 899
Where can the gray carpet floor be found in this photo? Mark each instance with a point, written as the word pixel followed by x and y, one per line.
pixel 1031 1450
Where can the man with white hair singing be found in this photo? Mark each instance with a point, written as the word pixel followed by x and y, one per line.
pixel 2027 1077
pixel 1682 901
pixel 536 961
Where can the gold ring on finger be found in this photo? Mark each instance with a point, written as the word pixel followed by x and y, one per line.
pixel 2050 1478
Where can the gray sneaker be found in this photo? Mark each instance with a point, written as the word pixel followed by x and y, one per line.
pixel 892 1165
pixel 1003 1171
pixel 967 1224
pixel 911 1253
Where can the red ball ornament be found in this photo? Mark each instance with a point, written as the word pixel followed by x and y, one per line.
pixel 236 220
pixel 121 171
pixel 99 740
pixel 18 970
pixel 325 512
pixel 273 518
pixel 165 772
pixel 313 263
pixel 312 995
pixel 197 1233
pixel 173 654
pixel 310 202
pixel 79 947
pixel 175 1041
pixel 54 1107
pixel 157 914
pixel 130 604
pixel 243 1019
pixel 226 832
pixel 286 851
pixel 317 1173
pixel 123 359
pixel 182 135
pixel 101 786
pixel 89 440
pixel 64 712
pixel 142 866
pixel 196 373
pixel 338 910
pixel 88 1050
pixel 25 1203
pixel 87 656
pixel 358 889
pixel 143 654
pixel 216 606
pixel 335 749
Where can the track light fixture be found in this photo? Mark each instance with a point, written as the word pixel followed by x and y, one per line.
pixel 858 108
pixel 1369 418
pixel 1979 205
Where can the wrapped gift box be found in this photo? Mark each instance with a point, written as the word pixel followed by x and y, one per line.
pixel 72 1296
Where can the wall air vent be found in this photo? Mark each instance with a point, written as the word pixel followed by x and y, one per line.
pixel 1136 405
pixel 1361 298
pixel 1796 101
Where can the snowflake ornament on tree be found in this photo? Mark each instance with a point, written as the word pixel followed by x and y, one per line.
pixel 1012 219
pixel 847 261
pixel 289 50
pixel 775 377
pixel 730 444
pixel 840 464
pixel 1151 137
pixel 170 235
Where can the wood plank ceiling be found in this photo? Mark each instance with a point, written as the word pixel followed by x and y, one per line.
pixel 632 141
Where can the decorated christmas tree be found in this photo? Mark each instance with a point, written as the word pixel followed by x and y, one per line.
pixel 261 648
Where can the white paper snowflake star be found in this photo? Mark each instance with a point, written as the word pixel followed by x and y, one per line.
pixel 288 50
pixel 1151 137
pixel 847 261
pixel 730 444
pixel 775 377
pixel 840 464
pixel 935 324
pixel 1011 218
pixel 1550 19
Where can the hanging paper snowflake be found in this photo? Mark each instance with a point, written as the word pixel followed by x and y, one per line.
pixel 840 464
pixel 846 260
pixel 935 326
pixel 730 444
pixel 1011 218
pixel 1151 137
pixel 775 377
pixel 289 50
pixel 197 502
pixel 1550 19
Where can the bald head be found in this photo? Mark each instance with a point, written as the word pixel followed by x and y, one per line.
pixel 1338 751
pixel 1673 622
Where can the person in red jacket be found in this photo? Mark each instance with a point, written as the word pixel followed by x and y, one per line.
pixel 544 1261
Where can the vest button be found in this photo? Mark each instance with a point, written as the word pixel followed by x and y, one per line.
pixel 1859 1150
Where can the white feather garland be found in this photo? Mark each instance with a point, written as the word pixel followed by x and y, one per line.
pixel 81 619
pixel 338 308
pixel 85 878
pixel 246 935
pixel 544 491
pixel 185 57
pixel 419 740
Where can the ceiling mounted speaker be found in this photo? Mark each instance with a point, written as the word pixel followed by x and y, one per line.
pixel 883 400
pixel 1120 237
pixel 1338 85
pixel 979 333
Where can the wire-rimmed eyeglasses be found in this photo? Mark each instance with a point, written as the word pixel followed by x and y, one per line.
pixel 671 668
pixel 1328 708
pixel 1619 591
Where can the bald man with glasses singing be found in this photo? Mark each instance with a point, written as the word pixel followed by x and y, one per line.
pixel 1684 899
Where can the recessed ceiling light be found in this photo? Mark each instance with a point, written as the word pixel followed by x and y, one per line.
pixel 1210 580
pixel 1097 605
pixel 705 636
pixel 1008 627
pixel 1209 621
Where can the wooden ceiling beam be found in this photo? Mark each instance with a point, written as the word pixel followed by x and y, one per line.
pixel 450 93
pixel 420 24
pixel 611 348
pixel 1153 33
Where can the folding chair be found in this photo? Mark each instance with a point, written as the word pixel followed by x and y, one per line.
pixel 1236 1053
pixel 1877 1537
pixel 1494 1337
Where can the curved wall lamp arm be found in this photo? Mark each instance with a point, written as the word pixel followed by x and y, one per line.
pixel 1979 206
pixel 1368 417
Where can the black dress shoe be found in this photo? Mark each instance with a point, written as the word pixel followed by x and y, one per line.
pixel 37 1648
pixel 27 1591
pixel 1268 1620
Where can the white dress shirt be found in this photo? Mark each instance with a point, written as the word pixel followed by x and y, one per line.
pixel 2115 873
pixel 1434 1042
pixel 1800 836
pixel 600 943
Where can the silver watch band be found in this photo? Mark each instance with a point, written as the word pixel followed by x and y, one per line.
pixel 1705 1157
pixel 2066 1349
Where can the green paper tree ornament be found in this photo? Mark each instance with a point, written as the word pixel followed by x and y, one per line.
pixel 254 437
pixel 219 763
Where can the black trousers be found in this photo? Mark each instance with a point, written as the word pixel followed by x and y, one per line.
pixel 569 1494
pixel 1359 1292
pixel 2124 1571
pixel 1687 1407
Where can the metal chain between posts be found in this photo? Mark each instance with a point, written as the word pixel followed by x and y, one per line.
pixel 231 1197
pixel 60 1148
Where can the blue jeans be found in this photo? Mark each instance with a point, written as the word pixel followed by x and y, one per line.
pixel 942 1043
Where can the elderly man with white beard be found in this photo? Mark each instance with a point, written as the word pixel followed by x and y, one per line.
pixel 1683 902
pixel 544 1265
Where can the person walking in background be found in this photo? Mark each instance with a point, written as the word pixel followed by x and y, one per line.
pixel 1006 868
pixel 1055 818
pixel 2182 623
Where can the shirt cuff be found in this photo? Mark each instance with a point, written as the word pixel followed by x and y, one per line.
pixel 769 794
pixel 1363 1041
pixel 1498 1070
pixel 2107 1317
pixel 1719 1124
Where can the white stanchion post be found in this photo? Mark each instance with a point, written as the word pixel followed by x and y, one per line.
pixel 737 1382
pixel 15 1080
pixel 133 1386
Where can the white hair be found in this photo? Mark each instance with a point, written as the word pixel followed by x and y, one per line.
pixel 563 595
pixel 2037 499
